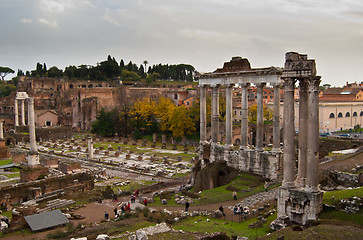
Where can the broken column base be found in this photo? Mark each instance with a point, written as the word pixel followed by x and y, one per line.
pixel 299 205
pixel 33 159
pixel 280 223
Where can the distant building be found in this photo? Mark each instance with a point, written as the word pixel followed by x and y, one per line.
pixel 46 118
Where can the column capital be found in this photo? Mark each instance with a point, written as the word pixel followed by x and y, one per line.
pixel 229 85
pixel 260 85
pixel 303 84
pixel 314 84
pixel 244 85
pixel 289 84
pixel 215 85
pixel 277 84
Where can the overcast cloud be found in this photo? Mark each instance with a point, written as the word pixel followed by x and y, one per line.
pixel 203 33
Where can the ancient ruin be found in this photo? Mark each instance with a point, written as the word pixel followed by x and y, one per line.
pixel 239 72
pixel 300 199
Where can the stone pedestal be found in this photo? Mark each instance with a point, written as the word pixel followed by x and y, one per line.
pixel 300 206
pixel 33 159
pixel 4 153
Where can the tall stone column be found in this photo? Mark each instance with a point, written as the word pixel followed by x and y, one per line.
pixel 203 115
pixel 90 148
pixel 276 119
pixel 33 156
pixel 22 112
pixel 1 130
pixel 302 137
pixel 229 116
pixel 289 133
pixel 259 130
pixel 312 178
pixel 244 116
pixel 215 114
pixel 16 112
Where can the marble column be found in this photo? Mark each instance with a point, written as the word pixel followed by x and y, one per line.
pixel 229 116
pixel 33 147
pixel 90 148
pixel 302 137
pixel 259 127
pixel 1 130
pixel 215 114
pixel 289 133
pixel 276 119
pixel 16 113
pixel 203 115
pixel 22 112
pixel 244 116
pixel 312 178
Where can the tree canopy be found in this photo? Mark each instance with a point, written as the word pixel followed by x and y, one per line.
pixel 5 71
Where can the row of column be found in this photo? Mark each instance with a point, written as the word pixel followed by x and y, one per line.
pixel 308 157
pixel 244 116
pixel 16 112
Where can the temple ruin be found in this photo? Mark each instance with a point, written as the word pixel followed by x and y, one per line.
pixel 300 199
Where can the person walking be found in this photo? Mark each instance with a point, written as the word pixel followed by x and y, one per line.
pixel 187 204
pixel 266 186
pixel 115 211
pixel 106 215
pixel 222 210
pixel 145 201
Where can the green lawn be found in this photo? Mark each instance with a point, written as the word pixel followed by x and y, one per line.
pixel 230 228
pixel 341 194
pixel 5 162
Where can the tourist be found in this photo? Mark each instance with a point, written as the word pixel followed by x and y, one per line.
pixel 266 186
pixel 187 204
pixel 123 208
pixel 235 210
pixel 234 195
pixel 115 211
pixel 106 215
pixel 222 210
pixel 145 201
pixel 128 208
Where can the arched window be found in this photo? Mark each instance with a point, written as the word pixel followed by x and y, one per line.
pixel 340 115
pixel 355 114
pixel 347 114
pixel 332 115
pixel 361 114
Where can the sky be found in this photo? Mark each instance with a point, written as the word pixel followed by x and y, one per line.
pixel 203 33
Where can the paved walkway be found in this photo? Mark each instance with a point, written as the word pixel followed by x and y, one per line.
pixel 258 199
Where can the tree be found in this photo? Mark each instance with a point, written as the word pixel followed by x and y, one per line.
pixel 55 72
pixel 163 111
pixel 152 77
pixel 130 76
pixel 143 112
pixel 5 71
pixel 145 62
pixel 252 113
pixel 6 89
pixel 104 124
pixel 181 124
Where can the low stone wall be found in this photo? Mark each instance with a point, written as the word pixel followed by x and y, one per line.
pixel 17 193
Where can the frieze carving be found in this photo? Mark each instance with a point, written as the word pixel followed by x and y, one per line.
pixel 299 62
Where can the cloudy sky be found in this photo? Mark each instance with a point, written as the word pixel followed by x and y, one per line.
pixel 203 33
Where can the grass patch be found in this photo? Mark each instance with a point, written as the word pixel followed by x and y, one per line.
pixel 342 216
pixel 5 162
pixel 341 194
pixel 230 228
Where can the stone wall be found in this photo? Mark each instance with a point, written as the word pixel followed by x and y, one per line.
pixel 17 193
pixel 263 163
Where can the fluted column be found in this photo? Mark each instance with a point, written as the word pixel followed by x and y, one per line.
pixel 1 130
pixel 259 130
pixel 22 112
pixel 289 133
pixel 31 121
pixel 16 113
pixel 302 137
pixel 215 114
pixel 276 118
pixel 312 178
pixel 203 115
pixel 229 116
pixel 244 116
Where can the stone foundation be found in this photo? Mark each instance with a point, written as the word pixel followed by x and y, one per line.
pixel 299 205
pixel 263 163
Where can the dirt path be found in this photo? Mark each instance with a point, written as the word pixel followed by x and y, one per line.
pixel 343 164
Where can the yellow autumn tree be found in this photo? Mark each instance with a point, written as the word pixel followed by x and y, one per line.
pixel 181 124
pixel 252 113
pixel 163 112
pixel 143 111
